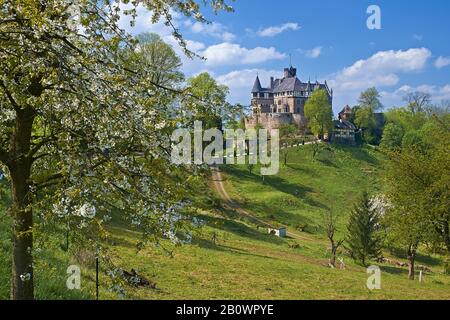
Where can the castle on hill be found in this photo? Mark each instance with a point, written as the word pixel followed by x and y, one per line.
pixel 283 102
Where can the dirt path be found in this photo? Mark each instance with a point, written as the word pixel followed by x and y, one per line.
pixel 230 203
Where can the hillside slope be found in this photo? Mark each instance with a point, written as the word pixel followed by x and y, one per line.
pixel 246 263
pixel 233 257
pixel 305 188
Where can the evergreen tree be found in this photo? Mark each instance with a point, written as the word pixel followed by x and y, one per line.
pixel 362 241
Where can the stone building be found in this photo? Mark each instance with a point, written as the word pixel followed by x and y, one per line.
pixel 283 102
pixel 344 131
pixel 346 114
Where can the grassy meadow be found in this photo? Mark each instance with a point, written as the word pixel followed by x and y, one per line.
pixel 232 258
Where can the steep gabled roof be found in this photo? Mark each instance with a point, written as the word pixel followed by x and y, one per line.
pixel 288 84
pixel 346 110
pixel 344 125
pixel 257 86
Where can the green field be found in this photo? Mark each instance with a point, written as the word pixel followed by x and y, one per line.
pixel 305 188
pixel 246 262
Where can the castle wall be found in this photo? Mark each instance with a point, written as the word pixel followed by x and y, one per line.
pixel 270 120
pixel 299 120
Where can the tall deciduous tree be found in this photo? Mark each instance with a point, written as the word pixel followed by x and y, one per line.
pixel 319 114
pixel 370 99
pixel 83 129
pixel 364 119
pixel 417 101
pixel 331 229
pixel 163 64
pixel 208 101
pixel 369 103
pixel 418 181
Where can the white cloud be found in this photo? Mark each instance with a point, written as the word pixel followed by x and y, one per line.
pixel 143 22
pixel 214 29
pixel 381 69
pixel 233 54
pixel 442 62
pixel 195 46
pixel 312 53
pixel 241 82
pixel 395 98
pixel 275 30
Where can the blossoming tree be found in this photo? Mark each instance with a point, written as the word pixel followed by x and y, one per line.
pixel 83 127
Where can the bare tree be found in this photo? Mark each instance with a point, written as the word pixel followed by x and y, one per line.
pixel 330 228
pixel 417 101
pixel 438 109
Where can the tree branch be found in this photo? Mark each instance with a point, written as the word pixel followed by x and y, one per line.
pixel 10 97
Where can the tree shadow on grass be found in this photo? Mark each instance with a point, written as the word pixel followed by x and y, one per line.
pixel 420 258
pixel 210 245
pixel 282 185
pixel 240 229
pixel 358 153
pixel 293 189
pixel 393 270
pixel 303 169
pixel 327 162
pixel 282 217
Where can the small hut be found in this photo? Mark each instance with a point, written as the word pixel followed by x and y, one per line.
pixel 279 232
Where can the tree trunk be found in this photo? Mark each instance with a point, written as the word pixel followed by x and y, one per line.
pixel 20 170
pixel 447 236
pixel 333 255
pixel 411 261
pixel 22 260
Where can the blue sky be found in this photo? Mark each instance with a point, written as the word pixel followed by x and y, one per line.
pixel 328 40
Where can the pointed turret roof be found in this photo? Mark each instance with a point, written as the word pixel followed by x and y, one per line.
pixel 257 86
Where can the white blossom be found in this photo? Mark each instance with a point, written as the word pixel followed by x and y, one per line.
pixel 87 210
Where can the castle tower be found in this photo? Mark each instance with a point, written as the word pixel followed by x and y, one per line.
pixel 257 86
pixel 262 98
